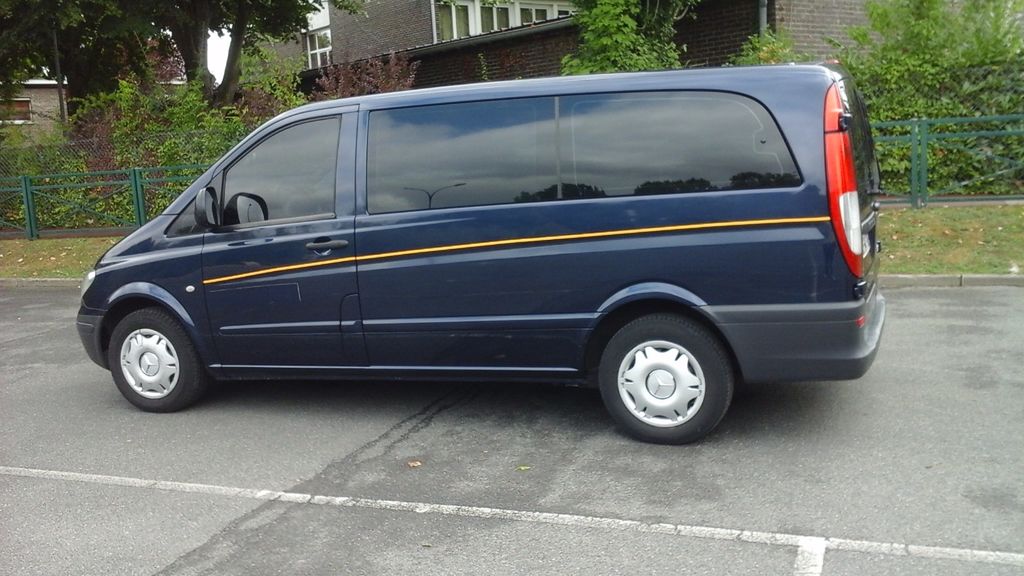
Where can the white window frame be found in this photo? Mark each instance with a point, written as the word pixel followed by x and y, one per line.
pixel 549 8
pixel 476 14
pixel 474 18
pixel 20 122
pixel 313 55
pixel 479 11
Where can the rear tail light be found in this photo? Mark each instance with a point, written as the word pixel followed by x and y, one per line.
pixel 843 201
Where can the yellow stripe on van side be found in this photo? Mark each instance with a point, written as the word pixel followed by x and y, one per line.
pixel 277 269
pixel 515 241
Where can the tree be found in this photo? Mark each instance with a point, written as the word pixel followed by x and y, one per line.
pixel 626 35
pixel 98 40
pixel 247 21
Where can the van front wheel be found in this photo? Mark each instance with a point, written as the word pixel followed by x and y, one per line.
pixel 666 379
pixel 153 362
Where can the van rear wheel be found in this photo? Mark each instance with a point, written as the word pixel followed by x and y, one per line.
pixel 153 362
pixel 666 379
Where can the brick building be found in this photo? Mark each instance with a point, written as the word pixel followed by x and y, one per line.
pixel 35 110
pixel 473 40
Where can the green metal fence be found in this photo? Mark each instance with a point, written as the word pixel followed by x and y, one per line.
pixel 90 200
pixel 956 159
pixel 921 159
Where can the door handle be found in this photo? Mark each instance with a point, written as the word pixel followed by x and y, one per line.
pixel 324 245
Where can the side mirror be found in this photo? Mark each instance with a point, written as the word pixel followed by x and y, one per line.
pixel 207 210
pixel 245 208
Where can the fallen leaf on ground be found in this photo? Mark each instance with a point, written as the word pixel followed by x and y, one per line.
pixel 414 463
pixel 523 468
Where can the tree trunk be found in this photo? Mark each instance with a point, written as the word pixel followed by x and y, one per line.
pixel 189 23
pixel 225 94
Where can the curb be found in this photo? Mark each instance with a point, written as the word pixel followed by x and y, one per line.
pixel 886 281
pixel 949 280
pixel 40 282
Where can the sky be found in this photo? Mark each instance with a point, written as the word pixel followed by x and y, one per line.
pixel 217 47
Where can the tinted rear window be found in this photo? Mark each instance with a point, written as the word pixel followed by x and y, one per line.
pixel 542 149
pixel 665 143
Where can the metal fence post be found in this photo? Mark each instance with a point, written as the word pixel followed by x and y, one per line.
pixel 914 163
pixel 138 198
pixel 922 171
pixel 31 228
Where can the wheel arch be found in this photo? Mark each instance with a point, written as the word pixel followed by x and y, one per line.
pixel 634 303
pixel 139 295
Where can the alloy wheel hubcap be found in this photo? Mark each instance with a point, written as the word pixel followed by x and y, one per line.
pixel 149 363
pixel 661 384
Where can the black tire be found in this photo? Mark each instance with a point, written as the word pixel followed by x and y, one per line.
pixel 704 349
pixel 190 381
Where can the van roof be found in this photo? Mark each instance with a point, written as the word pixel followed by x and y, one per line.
pixel 742 79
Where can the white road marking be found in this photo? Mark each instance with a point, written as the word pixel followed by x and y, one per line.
pixel 810 556
pixel 810 549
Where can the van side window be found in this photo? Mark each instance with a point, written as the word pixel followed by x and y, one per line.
pixel 513 151
pixel 289 175
pixel 465 154
pixel 184 223
pixel 670 142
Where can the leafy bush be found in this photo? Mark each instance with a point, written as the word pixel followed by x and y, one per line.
pixel 938 58
pixel 770 48
pixel 626 35
pixel 270 85
pixel 19 154
pixel 142 124
pixel 389 73
pixel 137 125
pixel 161 126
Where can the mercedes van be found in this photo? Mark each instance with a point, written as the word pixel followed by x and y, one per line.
pixel 659 236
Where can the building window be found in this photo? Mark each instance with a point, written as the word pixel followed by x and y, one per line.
pixel 16 111
pixel 318 47
pixel 494 18
pixel 453 20
pixel 530 13
pixel 461 18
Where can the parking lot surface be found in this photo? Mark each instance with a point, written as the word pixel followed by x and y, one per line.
pixel 914 469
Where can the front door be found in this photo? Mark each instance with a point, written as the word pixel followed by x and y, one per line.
pixel 278 273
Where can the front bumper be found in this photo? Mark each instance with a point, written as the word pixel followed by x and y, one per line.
pixel 89 331
pixel 796 342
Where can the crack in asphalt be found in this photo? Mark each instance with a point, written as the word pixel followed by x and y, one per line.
pixel 240 532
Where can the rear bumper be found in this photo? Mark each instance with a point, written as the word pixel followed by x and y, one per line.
pixel 88 325
pixel 793 342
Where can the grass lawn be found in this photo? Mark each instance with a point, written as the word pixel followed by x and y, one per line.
pixel 940 239
pixel 952 239
pixel 51 257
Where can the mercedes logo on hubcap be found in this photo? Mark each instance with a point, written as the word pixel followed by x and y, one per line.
pixel 149 364
pixel 661 384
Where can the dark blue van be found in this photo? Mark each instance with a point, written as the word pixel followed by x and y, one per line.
pixel 660 236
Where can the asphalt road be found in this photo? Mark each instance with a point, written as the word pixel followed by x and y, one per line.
pixel 915 469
